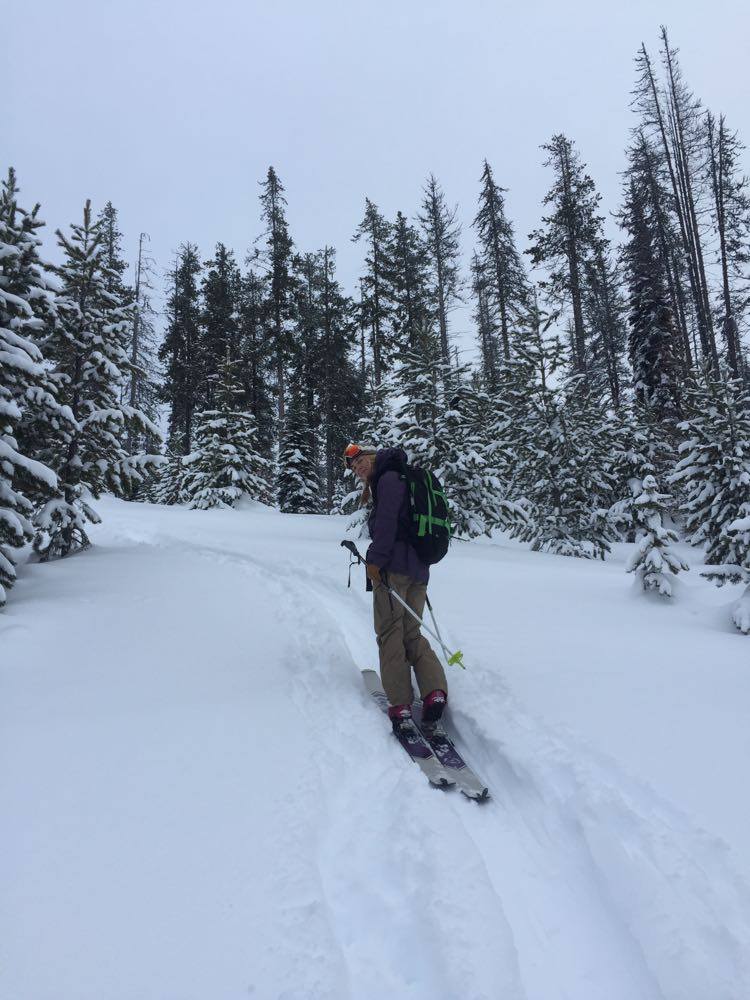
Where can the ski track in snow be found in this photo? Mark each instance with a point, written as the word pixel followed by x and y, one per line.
pixel 575 882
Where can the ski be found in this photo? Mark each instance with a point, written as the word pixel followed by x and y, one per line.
pixel 468 782
pixel 442 745
pixel 410 737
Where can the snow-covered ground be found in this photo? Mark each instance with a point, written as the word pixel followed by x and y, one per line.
pixel 200 803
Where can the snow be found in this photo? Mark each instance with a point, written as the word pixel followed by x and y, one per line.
pixel 200 801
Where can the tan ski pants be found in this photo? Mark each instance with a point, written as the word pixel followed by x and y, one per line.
pixel 401 645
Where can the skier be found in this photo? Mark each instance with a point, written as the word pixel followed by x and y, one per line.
pixel 393 562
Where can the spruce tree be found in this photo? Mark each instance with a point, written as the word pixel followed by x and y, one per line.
pixel 652 334
pixel 180 350
pixel 653 559
pixel 88 349
pixel 441 233
pixel 279 278
pixel 256 352
pixel 505 286
pixel 731 217
pixel 219 321
pixel 376 306
pixel 489 351
pixel 568 238
pixel 26 394
pixel 340 383
pixel 413 311
pixel 143 379
pixel 714 473
pixel 298 478
pixel 563 444
pixel 225 464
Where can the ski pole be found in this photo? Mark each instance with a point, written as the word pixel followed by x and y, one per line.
pixel 451 658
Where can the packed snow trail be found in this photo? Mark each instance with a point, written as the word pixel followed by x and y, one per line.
pixel 201 800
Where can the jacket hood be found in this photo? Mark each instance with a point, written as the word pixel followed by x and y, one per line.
pixel 387 457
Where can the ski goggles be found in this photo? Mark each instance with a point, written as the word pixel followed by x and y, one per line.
pixel 352 452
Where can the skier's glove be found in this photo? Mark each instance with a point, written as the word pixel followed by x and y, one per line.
pixel 373 572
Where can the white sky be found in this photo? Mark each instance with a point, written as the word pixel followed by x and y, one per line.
pixel 174 110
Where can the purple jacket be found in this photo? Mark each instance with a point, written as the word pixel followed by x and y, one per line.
pixel 389 519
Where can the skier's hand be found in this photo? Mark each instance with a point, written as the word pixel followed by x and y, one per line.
pixel 373 572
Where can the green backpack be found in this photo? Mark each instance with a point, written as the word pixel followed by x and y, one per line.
pixel 430 526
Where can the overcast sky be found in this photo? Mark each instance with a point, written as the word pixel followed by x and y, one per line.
pixel 174 109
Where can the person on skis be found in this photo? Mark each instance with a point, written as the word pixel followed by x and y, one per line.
pixel 393 562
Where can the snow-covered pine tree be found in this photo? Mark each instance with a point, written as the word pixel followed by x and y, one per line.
pixel 739 532
pixel 417 381
pixel 219 325
pixel 142 389
pixel 27 397
pixel 279 278
pixel 489 349
pixel 256 352
pixel 225 464
pixel 169 484
pixel 298 487
pixel 340 387
pixel 88 350
pixel 563 446
pixel 714 472
pixel 376 306
pixel 653 338
pixel 180 349
pixel 641 447
pixel 498 262
pixel 604 311
pixel 567 239
pixel 464 462
pixel 413 305
pixel 654 559
pixel 441 232
pixel 731 217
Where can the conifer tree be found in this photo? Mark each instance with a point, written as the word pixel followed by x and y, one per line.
pixel 505 286
pixel 27 397
pixel 563 445
pixel 466 463
pixel 180 351
pixel 256 352
pixel 441 233
pixel 376 303
pixel 714 473
pixel 298 478
pixel 412 306
pixel 219 329
pixel 670 118
pixel 731 216
pixel 279 278
pixel 641 447
pixel 568 239
pixel 88 349
pixel 604 310
pixel 169 485
pixel 647 171
pixel 486 326
pixel 654 559
pixel 652 337
pixel 142 388
pixel 226 463
pixel 340 385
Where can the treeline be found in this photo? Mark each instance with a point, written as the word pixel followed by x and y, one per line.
pixel 607 374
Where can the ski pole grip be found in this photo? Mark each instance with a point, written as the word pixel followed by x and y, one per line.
pixel 351 547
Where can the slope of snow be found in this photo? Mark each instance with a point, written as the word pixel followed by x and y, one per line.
pixel 199 800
